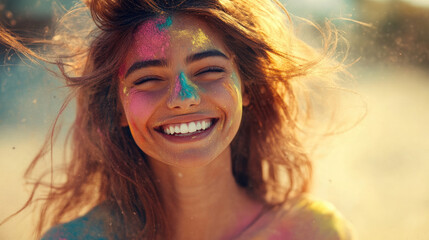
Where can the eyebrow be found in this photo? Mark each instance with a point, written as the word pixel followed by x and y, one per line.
pixel 147 63
pixel 205 54
pixel 162 62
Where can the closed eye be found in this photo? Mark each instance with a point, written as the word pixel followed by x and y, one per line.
pixel 146 79
pixel 210 70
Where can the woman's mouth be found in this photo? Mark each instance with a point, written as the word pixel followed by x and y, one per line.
pixel 188 128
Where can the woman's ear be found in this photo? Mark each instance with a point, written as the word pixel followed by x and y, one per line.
pixel 246 99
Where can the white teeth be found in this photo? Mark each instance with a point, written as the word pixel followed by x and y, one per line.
pixel 183 128
pixel 192 127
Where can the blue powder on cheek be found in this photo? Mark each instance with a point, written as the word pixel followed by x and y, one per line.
pixel 188 89
pixel 165 25
pixel 236 80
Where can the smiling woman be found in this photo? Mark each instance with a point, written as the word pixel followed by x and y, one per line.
pixel 174 86
pixel 187 125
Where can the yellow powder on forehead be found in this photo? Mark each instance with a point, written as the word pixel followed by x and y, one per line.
pixel 198 38
pixel 180 33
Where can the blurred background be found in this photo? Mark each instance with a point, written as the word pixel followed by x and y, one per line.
pixel 376 174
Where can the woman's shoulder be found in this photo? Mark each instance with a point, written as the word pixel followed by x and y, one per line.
pixel 310 218
pixel 91 226
pixel 304 218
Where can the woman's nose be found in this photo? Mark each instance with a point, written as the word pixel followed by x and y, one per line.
pixel 184 94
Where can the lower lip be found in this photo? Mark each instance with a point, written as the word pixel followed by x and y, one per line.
pixel 190 138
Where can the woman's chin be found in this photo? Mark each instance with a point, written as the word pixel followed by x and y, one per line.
pixel 192 158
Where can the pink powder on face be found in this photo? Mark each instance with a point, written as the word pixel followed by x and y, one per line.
pixel 184 88
pixel 177 87
pixel 139 107
pixel 150 40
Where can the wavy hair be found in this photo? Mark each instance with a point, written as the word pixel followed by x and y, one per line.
pixel 268 158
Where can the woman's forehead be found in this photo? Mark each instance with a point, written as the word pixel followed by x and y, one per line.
pixel 171 38
pixel 162 31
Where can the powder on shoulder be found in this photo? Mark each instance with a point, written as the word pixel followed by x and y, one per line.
pixel 307 218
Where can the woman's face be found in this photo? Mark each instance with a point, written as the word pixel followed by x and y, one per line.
pixel 180 91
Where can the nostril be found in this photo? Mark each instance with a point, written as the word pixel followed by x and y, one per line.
pixel 178 101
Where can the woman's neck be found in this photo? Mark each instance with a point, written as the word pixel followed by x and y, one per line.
pixel 204 202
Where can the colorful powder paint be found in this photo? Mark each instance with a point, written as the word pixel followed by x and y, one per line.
pixel 200 40
pixel 185 88
pixel 179 34
pixel 152 39
pixel 125 91
pixel 197 37
pixel 236 80
pixel 167 24
pixel 235 88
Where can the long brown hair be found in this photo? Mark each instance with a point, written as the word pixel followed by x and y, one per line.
pixel 268 158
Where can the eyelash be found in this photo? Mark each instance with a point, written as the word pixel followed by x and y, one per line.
pixel 203 71
pixel 146 79
pixel 210 70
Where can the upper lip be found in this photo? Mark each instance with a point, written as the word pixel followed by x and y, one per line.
pixel 184 119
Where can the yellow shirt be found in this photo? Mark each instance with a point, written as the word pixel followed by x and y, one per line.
pixel 303 218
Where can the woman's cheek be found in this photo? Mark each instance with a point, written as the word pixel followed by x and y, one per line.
pixel 232 94
pixel 229 98
pixel 140 106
